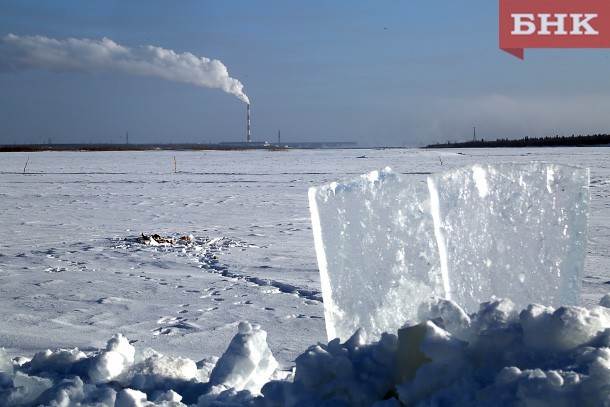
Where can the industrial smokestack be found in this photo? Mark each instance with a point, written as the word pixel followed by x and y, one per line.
pixel 249 135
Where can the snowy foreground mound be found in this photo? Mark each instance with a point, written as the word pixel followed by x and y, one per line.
pixel 497 356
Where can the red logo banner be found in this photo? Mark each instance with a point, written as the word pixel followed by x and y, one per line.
pixel 553 24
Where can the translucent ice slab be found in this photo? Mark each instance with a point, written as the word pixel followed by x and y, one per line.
pixel 376 252
pixel 386 243
pixel 512 231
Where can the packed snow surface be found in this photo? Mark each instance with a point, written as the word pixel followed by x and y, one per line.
pixel 76 280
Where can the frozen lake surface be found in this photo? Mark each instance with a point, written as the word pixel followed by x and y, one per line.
pixel 73 273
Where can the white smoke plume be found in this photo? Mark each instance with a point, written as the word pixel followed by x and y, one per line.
pixel 105 56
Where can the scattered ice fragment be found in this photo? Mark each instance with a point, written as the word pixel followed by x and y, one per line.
pixel 342 374
pixel 247 364
pixel 448 315
pixel 25 389
pixel 59 361
pixel 66 392
pixel 169 396
pixel 130 398
pixel 428 358
pixel 157 369
pixel 6 364
pixel 376 252
pixel 562 329
pixel 119 354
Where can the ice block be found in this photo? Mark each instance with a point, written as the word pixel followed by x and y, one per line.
pixel 512 231
pixel 376 251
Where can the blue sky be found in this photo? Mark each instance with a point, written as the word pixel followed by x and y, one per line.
pixel 384 72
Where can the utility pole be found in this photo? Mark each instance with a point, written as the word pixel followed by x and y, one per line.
pixel 279 139
pixel 474 134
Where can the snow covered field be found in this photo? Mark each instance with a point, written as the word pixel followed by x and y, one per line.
pixel 73 273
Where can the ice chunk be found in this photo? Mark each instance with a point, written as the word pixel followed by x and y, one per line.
pixel 387 244
pixel 376 252
pixel 156 370
pixel 513 231
pixel 428 359
pixel 60 361
pixel 130 398
pixel 109 364
pixel 247 364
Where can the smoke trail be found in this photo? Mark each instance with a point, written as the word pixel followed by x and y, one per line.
pixel 96 57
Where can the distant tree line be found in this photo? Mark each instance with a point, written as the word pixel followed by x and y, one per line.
pixel 557 141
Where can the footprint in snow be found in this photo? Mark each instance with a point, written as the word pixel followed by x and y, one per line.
pixel 55 269
pixel 162 331
pixel 174 326
pixel 165 320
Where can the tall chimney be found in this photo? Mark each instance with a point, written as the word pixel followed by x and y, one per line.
pixel 249 135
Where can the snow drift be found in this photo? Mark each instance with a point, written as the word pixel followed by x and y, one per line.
pixel 497 356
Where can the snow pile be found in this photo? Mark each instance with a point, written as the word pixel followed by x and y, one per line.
pixel 122 375
pixel 497 356
pixel 353 373
pixel 538 355
pixel 494 357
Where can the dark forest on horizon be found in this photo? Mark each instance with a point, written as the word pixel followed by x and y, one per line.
pixel 556 141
